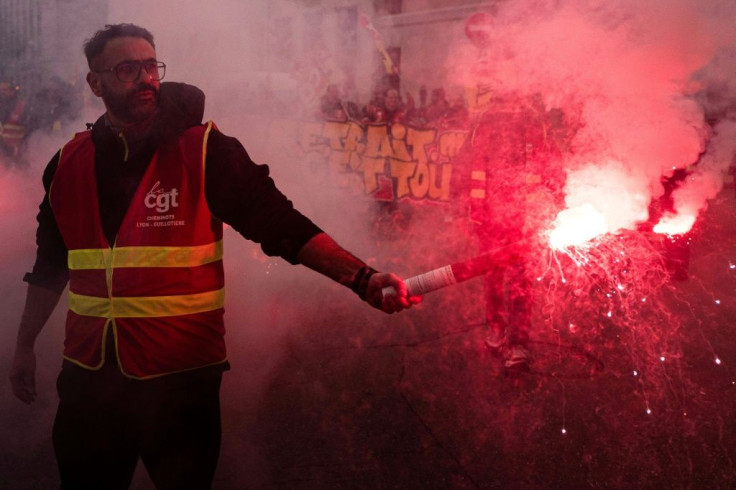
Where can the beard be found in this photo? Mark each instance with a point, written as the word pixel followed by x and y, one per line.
pixel 129 107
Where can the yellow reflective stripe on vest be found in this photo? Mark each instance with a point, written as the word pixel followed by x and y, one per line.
pixel 146 307
pixel 99 258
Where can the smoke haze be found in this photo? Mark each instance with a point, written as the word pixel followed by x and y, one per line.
pixel 634 74
pixel 649 84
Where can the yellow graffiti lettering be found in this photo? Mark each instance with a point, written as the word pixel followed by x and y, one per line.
pixel 377 142
pixel 351 157
pixel 339 162
pixel 478 97
pixel 425 182
pixel 419 182
pixel 372 168
pixel 355 162
pixel 354 138
pixel 451 142
pixel 441 192
pixel 402 172
pixel 335 133
pixel 398 140
pixel 419 140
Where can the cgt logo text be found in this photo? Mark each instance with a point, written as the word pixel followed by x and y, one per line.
pixel 161 200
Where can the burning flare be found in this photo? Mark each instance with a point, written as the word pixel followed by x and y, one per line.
pixel 675 224
pixel 576 226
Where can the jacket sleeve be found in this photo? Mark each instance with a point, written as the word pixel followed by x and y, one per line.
pixel 242 194
pixel 50 271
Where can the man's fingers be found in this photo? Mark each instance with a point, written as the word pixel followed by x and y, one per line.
pixel 24 391
pixel 26 397
pixel 389 293
pixel 23 383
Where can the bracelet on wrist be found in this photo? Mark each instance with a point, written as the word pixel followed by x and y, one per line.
pixel 359 284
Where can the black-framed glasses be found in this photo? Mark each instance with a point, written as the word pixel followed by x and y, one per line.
pixel 129 71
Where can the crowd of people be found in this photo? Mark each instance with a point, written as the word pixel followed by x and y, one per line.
pixel 516 150
pixel 387 106
pixel 47 109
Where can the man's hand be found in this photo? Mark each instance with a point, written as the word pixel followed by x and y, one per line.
pixel 390 303
pixel 23 375
pixel 40 303
pixel 322 254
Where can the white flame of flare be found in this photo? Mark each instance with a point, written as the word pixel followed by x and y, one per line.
pixel 576 226
pixel 601 198
pixel 675 224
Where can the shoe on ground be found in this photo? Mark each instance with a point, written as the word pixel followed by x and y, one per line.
pixel 518 357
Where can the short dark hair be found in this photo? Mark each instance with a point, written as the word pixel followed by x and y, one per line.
pixel 96 44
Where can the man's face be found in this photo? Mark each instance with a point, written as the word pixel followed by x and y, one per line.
pixel 126 102
pixel 392 99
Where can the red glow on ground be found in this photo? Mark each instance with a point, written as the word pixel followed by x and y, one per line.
pixel 576 226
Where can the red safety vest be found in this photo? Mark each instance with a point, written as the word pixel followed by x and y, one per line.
pixel 159 289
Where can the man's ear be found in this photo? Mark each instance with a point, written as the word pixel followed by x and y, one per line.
pixel 94 82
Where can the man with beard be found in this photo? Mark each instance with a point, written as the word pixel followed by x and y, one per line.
pixel 132 220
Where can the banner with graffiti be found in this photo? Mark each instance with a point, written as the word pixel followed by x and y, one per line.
pixel 386 162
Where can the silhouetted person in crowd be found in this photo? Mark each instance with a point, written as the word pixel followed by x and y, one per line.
pixel 56 104
pixel 12 120
pixel 394 111
pixel 438 105
pixel 457 114
pixel 331 106
pixel 512 176
pixel 373 111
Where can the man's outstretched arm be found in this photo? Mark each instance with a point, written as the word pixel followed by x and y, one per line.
pixel 40 303
pixel 322 254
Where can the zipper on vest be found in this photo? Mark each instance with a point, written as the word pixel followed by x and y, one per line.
pixel 125 145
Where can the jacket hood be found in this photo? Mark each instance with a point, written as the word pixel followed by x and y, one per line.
pixel 181 106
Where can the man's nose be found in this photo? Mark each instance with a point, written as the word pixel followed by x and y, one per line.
pixel 143 75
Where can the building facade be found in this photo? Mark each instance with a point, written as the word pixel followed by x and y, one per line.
pixel 40 39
